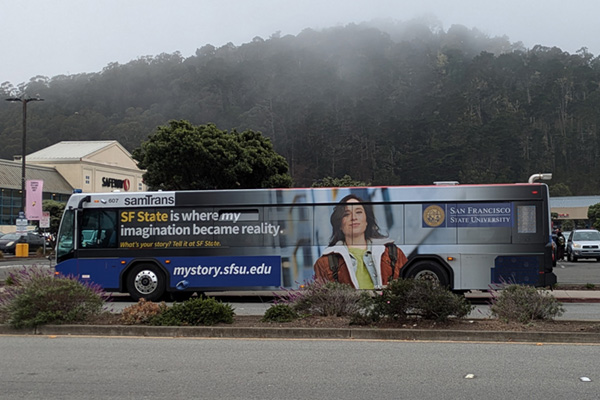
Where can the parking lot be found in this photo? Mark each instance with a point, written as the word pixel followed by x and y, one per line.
pixel 580 272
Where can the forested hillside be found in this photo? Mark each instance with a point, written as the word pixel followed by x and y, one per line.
pixel 396 103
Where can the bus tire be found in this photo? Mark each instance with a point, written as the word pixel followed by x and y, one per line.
pixel 429 271
pixel 146 281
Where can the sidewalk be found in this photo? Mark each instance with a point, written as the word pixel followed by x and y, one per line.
pixel 564 296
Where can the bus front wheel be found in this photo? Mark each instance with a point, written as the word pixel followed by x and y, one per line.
pixel 429 271
pixel 146 281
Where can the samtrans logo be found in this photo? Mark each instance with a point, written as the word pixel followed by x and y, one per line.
pixel 150 200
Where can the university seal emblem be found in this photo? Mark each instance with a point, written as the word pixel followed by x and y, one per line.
pixel 434 216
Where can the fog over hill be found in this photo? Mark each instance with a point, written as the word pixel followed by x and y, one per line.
pixel 72 36
pixel 387 102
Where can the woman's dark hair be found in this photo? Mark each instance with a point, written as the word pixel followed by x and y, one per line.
pixel 372 230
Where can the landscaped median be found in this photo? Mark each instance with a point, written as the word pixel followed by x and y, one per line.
pixel 35 302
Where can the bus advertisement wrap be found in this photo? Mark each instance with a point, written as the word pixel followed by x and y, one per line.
pixel 188 227
pixel 206 272
pixel 273 238
pixel 465 215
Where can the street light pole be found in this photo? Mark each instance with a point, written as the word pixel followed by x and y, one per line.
pixel 24 100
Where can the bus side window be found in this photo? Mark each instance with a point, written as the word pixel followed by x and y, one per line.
pixel 109 238
pixel 88 237
pixel 99 228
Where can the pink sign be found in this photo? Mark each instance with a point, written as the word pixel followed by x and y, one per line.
pixel 33 199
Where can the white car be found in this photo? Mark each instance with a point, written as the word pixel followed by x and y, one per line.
pixel 583 243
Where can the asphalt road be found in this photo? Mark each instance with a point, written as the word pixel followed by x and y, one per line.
pixel 580 272
pixel 175 368
pixel 9 263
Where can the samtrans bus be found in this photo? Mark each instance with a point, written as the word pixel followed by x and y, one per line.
pixel 150 244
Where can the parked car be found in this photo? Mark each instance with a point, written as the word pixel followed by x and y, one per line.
pixel 583 243
pixel 8 242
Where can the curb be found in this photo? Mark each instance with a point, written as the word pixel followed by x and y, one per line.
pixel 306 333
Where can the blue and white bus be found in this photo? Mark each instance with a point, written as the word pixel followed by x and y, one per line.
pixel 150 244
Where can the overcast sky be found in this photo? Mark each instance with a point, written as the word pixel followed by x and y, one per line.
pixel 49 38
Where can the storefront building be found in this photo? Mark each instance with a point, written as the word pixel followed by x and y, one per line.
pixel 573 208
pixel 55 188
pixel 89 166
pixel 93 166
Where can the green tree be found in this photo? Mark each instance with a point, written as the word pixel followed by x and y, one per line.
pixel 568 225
pixel 560 190
pixel 594 216
pixel 182 156
pixel 387 103
pixel 345 181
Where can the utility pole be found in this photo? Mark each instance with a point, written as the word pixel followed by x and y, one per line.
pixel 24 100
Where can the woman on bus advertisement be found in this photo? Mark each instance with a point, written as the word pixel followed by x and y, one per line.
pixel 358 254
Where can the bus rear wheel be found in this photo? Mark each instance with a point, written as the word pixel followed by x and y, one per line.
pixel 147 282
pixel 429 271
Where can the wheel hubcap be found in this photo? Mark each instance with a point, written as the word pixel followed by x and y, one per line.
pixel 146 282
pixel 428 276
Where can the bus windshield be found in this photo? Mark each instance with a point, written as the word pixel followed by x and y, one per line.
pixel 64 244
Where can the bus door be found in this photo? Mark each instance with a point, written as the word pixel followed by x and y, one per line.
pixel 530 261
pixel 95 248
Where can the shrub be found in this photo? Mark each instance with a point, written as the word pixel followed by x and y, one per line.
pixel 280 313
pixel 141 312
pixel 10 280
pixel 324 298
pixel 197 311
pixel 409 298
pixel 519 303
pixel 34 296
